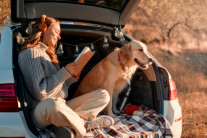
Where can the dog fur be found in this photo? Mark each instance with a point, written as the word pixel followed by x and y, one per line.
pixel 114 72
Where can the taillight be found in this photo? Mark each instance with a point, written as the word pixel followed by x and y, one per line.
pixel 173 91
pixel 12 137
pixel 8 98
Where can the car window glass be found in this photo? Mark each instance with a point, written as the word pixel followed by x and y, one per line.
pixel 112 4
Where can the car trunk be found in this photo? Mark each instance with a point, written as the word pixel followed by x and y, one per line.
pixel 144 89
pixel 89 24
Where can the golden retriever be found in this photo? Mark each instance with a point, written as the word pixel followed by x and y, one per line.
pixel 114 72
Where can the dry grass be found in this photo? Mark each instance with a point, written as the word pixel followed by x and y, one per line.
pixel 189 71
pixel 194 109
pixel 187 67
pixel 4 10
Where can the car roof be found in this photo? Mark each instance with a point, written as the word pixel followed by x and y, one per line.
pixel 68 10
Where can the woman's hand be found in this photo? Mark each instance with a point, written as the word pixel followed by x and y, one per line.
pixel 72 69
pixel 77 77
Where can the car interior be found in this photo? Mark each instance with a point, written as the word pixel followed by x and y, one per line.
pixel 142 92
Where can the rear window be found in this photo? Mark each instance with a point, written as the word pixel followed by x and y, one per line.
pixel 112 4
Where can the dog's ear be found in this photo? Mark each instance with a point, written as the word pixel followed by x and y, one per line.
pixel 126 52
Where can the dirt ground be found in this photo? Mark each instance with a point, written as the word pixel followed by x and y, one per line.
pixel 194 110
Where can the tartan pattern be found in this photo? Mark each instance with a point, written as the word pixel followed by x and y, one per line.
pixel 147 123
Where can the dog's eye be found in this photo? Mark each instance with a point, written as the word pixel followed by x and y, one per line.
pixel 141 50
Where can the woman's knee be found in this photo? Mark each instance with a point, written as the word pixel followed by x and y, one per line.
pixel 53 105
pixel 43 111
pixel 104 95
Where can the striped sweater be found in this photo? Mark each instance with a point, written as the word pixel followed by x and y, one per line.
pixel 43 79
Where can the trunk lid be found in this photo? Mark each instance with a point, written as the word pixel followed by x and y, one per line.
pixel 108 12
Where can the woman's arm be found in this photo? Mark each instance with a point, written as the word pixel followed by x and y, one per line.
pixel 39 83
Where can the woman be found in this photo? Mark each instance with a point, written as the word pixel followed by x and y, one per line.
pixel 48 84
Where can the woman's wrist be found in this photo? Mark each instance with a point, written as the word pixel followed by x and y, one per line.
pixel 72 69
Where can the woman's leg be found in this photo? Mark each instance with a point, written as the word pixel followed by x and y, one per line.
pixel 55 111
pixel 88 106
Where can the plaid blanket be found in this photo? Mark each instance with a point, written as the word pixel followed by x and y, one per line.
pixel 147 123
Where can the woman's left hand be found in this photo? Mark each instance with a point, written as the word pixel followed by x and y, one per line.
pixel 77 77
pixel 72 68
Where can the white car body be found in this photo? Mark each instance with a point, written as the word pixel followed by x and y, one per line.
pixel 12 124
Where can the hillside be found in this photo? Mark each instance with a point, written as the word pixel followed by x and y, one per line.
pixel 178 23
pixel 176 34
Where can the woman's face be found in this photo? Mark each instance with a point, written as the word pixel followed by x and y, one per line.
pixel 52 35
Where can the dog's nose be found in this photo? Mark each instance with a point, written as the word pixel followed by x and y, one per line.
pixel 150 60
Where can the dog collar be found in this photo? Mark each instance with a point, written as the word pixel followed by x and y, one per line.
pixel 120 62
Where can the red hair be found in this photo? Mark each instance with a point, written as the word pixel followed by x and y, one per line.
pixel 36 37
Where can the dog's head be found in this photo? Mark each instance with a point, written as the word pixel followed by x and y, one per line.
pixel 137 52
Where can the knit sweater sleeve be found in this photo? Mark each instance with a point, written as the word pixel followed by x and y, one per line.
pixel 40 85
pixel 70 81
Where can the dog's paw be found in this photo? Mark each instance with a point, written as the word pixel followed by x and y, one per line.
pixel 115 116
pixel 112 115
pixel 116 111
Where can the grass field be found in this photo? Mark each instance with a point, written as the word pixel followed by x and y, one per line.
pixel 188 70
pixel 194 109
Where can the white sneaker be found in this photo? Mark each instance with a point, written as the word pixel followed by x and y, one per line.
pixel 100 122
